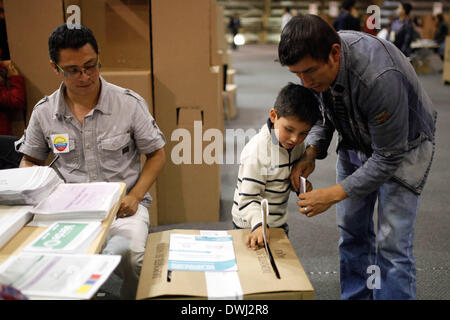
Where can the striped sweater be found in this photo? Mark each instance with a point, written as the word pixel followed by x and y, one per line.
pixel 264 172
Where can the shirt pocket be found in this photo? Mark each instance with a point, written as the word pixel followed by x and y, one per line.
pixel 116 151
pixel 68 160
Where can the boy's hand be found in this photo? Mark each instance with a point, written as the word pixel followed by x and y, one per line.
pixel 256 238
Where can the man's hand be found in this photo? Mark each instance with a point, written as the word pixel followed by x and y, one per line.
pixel 319 200
pixel 256 238
pixel 304 167
pixel 128 206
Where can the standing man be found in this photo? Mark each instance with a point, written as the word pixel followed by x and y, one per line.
pixel 372 97
pixel 107 129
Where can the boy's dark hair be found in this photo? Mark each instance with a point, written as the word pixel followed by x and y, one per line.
pixel 294 100
pixel 306 35
pixel 63 38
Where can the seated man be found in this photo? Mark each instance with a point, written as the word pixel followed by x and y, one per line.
pixel 107 128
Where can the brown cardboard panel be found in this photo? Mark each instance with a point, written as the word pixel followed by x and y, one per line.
pixel 122 31
pixel 446 72
pixel 257 279
pixel 137 80
pixel 29 23
pixel 181 38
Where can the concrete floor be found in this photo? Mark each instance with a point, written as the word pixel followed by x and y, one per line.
pixel 259 78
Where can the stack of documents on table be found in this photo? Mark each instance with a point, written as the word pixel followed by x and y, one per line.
pixel 66 237
pixel 57 276
pixel 27 185
pixel 12 219
pixel 77 202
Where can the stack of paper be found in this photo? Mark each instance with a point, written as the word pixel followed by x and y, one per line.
pixel 12 219
pixel 31 185
pixel 57 276
pixel 77 202
pixel 66 237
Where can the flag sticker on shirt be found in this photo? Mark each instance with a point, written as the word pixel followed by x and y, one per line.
pixel 60 143
pixel 382 116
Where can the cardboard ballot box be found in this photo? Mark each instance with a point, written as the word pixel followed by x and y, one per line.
pixel 256 276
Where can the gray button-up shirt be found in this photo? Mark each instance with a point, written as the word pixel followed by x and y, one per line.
pixel 106 146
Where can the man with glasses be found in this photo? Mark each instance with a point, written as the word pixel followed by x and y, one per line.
pixel 99 131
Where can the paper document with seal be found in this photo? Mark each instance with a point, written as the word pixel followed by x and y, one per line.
pixel 264 214
pixel 201 253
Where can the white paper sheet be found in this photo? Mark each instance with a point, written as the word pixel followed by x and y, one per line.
pixel 201 253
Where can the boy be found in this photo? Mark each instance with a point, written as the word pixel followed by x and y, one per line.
pixel 267 160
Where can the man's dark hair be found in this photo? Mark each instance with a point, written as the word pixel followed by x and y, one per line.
pixel 347 4
pixel 64 38
pixel 407 7
pixel 306 35
pixel 294 100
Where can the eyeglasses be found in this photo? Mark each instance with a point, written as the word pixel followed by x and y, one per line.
pixel 75 72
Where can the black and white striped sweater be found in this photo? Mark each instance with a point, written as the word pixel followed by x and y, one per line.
pixel 264 172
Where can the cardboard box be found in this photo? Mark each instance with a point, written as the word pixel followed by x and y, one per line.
pixel 186 88
pixel 446 72
pixel 29 23
pixel 189 190
pixel 256 276
pixel 229 101
pixel 122 31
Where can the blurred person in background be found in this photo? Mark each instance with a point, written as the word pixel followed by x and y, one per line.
pixel 402 29
pixel 348 18
pixel 441 34
pixel 287 15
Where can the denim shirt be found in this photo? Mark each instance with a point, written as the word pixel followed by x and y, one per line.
pixel 391 116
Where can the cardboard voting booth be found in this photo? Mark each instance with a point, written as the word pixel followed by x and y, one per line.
pixel 446 72
pixel 256 277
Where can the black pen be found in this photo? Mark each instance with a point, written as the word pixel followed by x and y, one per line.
pixel 56 169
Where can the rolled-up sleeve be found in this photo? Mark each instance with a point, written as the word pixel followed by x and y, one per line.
pixel 147 135
pixel 34 143
pixel 387 115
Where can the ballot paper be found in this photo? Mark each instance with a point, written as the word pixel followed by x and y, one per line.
pixel 77 202
pixel 57 276
pixel 12 219
pixel 264 214
pixel 302 185
pixel 27 186
pixel 66 237
pixel 201 253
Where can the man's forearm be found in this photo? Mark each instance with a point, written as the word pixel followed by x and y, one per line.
pixel 152 167
pixel 30 162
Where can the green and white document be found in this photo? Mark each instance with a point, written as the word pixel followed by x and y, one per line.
pixel 66 237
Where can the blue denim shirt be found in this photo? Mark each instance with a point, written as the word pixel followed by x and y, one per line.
pixel 391 116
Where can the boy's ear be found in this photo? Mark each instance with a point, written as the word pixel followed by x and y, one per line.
pixel 273 115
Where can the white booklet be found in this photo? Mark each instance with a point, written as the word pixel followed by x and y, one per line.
pixel 12 219
pixel 66 237
pixel 57 276
pixel 77 202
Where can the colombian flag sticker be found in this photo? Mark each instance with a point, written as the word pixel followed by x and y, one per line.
pixel 60 143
